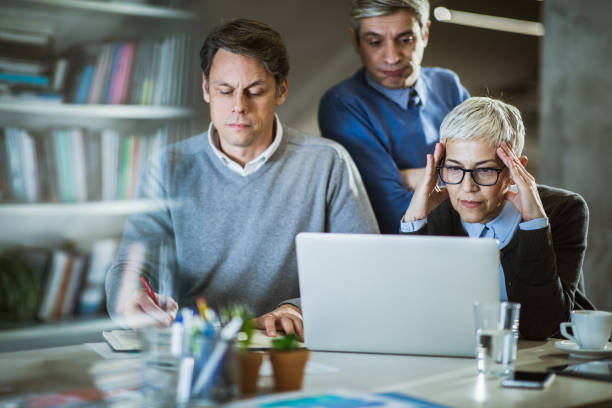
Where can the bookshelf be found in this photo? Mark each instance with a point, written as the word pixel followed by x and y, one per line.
pixel 37 115
pixel 52 224
pixel 85 83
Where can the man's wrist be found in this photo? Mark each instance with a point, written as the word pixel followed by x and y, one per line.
pixel 290 305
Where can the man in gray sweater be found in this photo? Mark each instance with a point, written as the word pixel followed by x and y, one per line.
pixel 233 198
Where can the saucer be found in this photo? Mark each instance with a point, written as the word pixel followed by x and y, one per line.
pixel 575 351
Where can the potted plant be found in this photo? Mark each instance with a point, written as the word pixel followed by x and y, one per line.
pixel 288 363
pixel 19 288
pixel 249 361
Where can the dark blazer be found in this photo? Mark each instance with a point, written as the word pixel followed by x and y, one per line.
pixel 542 268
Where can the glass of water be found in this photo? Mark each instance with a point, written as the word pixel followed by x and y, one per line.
pixel 496 327
pixel 159 367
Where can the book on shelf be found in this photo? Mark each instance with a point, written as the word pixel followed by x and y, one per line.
pixel 24 37
pixel 76 165
pixel 24 97
pixel 20 165
pixel 23 66
pixel 60 68
pixel 85 79
pixel 145 72
pixel 73 282
pixel 24 79
pixel 32 80
pixel 92 296
pixel 101 74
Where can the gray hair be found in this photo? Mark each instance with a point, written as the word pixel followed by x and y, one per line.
pixel 249 38
pixel 486 119
pixel 361 9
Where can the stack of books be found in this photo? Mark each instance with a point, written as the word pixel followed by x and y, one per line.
pixel 27 71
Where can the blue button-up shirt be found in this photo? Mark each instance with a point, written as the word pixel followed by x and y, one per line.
pixel 389 130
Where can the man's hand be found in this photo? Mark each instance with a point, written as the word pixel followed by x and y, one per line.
pixel 286 317
pixel 412 177
pixel 427 196
pixel 140 303
pixel 526 199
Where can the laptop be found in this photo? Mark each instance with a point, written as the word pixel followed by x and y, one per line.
pixel 394 294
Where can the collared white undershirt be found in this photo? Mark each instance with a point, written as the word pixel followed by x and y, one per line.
pixel 253 165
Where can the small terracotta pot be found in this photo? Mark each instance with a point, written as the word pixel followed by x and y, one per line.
pixel 288 367
pixel 250 362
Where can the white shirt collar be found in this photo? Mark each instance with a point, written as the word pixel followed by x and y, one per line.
pixel 253 165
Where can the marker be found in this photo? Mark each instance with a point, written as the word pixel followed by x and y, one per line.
pixel 183 388
pixel 201 306
pixel 149 291
pixel 176 339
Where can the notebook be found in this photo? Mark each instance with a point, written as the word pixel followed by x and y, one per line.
pixel 394 293
pixel 122 340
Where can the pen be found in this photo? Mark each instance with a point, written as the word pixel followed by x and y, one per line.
pixel 149 291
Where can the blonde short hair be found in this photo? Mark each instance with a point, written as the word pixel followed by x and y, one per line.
pixel 487 119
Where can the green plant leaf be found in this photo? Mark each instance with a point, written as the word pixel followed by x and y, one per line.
pixel 286 342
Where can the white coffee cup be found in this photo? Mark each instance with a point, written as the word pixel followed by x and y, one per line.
pixel 591 328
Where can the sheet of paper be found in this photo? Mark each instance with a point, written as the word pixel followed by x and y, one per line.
pixel 311 368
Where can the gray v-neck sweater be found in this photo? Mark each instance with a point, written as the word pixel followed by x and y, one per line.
pixel 231 237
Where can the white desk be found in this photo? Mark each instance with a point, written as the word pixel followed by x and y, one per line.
pixel 454 381
pixel 449 381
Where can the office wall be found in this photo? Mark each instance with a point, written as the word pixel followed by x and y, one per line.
pixel 576 123
pixel 492 63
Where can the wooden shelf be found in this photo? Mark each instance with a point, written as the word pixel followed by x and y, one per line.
pixel 73 23
pixel 52 224
pixel 47 115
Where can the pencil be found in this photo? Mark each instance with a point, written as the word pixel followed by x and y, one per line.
pixel 149 291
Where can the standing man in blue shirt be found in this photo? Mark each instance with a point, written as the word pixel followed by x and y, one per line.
pixel 388 114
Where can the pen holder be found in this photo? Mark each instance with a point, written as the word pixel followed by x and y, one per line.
pixel 222 385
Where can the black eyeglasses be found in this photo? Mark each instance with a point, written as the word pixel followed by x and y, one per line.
pixel 484 176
